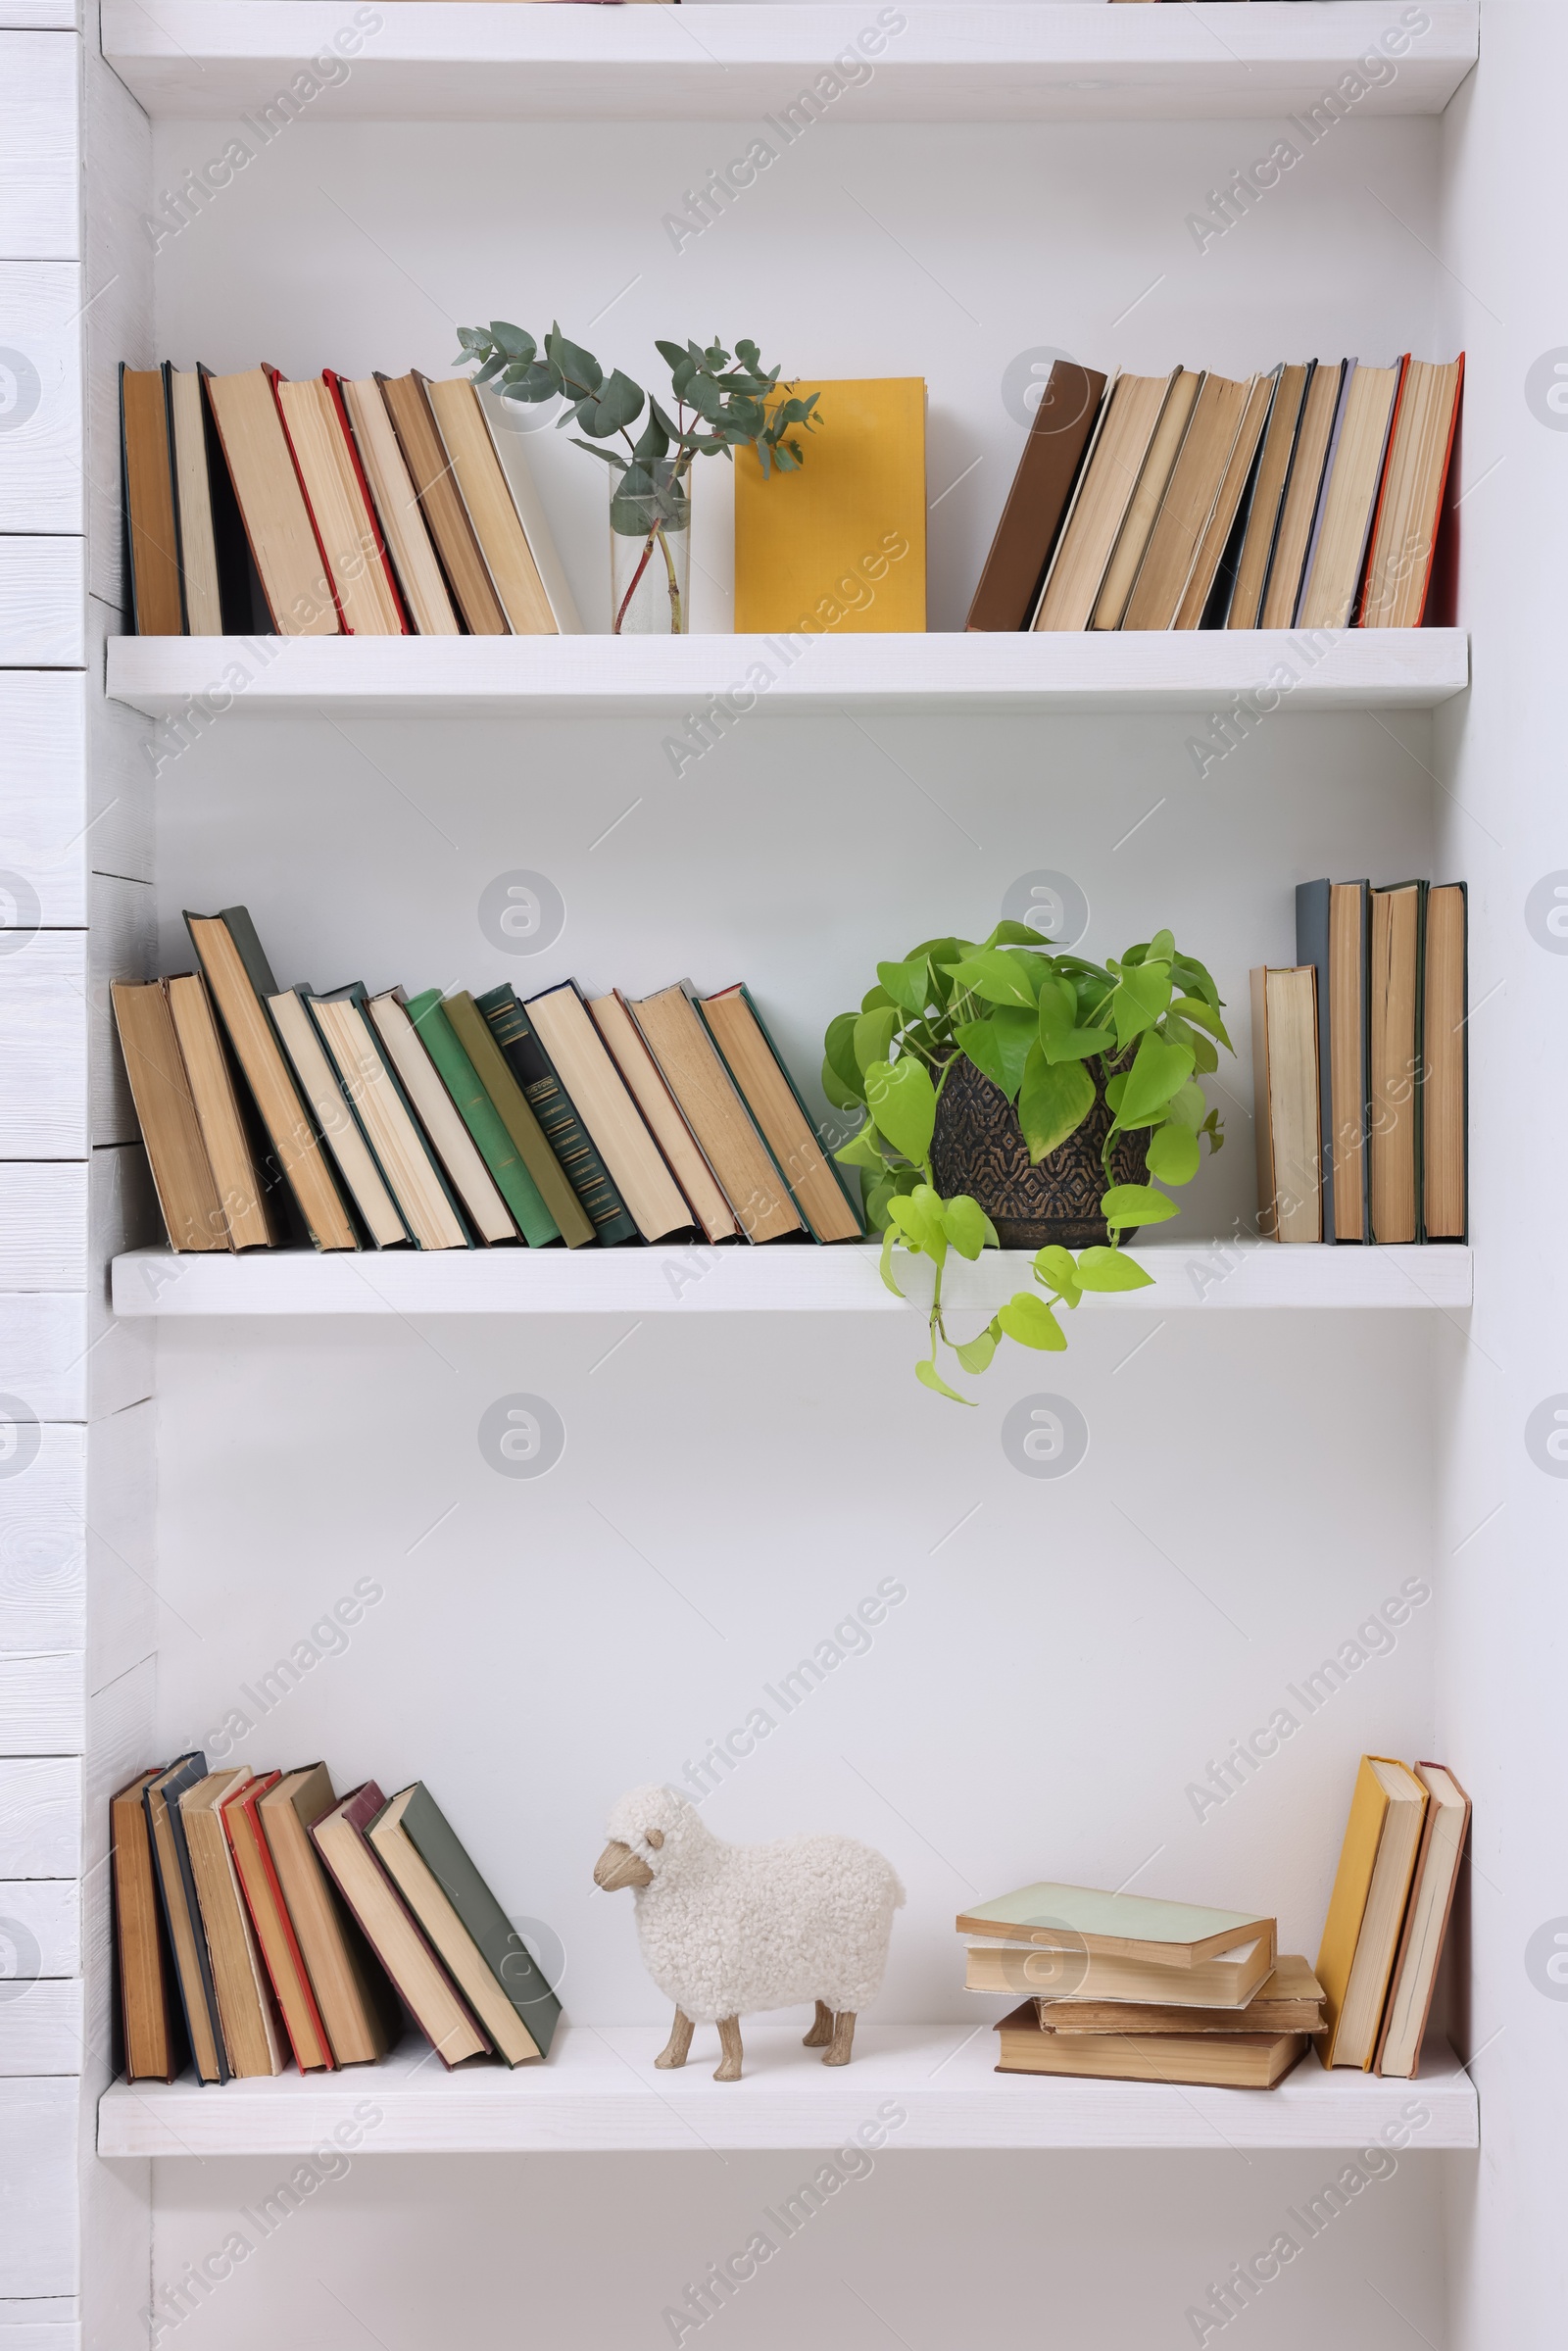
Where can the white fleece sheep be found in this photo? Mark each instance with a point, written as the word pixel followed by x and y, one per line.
pixel 726 1928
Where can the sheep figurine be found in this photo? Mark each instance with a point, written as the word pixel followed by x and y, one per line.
pixel 725 1928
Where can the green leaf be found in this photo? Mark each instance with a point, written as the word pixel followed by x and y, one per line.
pixel 967 1226
pixel 579 371
pixel 1153 1078
pixel 1161 949
pixel 1030 1321
pixel 1079 1045
pixel 1111 1269
pixel 975 1353
pixel 1140 998
pixel 1202 1017
pixel 838 1045
pixel 873 1034
pixel 1173 1155
pixel 1058 1009
pixel 1054 1269
pixel 999 1047
pixel 918 1217
pixel 1134 1203
pixel 903 1101
pixel 1055 1101
pixel 996 976
pixel 1187 1105
pixel 908 984
pixel 929 1377
pixel 875 1000
pixel 885 1267
pixel 861 1151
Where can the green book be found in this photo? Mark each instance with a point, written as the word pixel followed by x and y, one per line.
pixel 481 1116
pixel 556 1114
pixel 500 1945
pixel 472 1032
pixel 1172 1934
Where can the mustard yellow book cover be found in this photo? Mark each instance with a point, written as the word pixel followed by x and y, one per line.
pixel 838 548
pixel 1352 1883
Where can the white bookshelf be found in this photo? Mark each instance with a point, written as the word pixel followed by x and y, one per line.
pixel 469 60
pixel 1207 1277
pixel 1264 671
pixel 599 2091
pixel 234 1444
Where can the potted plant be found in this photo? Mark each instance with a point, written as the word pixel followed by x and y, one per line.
pixel 1016 1095
pixel 720 405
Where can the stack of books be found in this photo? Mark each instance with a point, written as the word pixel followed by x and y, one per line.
pixel 390 506
pixel 1307 497
pixel 1360 1068
pixel 259 1914
pixel 429 1122
pixel 1389 1914
pixel 1126 1988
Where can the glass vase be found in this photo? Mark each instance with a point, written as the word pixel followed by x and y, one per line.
pixel 650 553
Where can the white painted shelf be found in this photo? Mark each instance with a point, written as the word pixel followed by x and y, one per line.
pixel 600 676
pixel 600 2093
pixel 486 60
pixel 781 1279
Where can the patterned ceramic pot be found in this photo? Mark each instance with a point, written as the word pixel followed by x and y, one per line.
pixel 978 1149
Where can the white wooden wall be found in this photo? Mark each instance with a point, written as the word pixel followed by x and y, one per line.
pixel 78 1611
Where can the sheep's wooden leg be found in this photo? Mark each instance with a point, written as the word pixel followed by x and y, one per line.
pixel 838 2051
pixel 674 2051
pixel 729 2040
pixel 821 2032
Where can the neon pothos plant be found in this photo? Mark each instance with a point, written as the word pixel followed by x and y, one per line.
pixel 1043 1027
pixel 722 404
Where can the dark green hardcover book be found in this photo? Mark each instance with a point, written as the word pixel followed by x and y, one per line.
pixel 1312 947
pixel 503 1948
pixel 553 1107
pixel 184 1773
pixel 512 1106
pixel 482 1119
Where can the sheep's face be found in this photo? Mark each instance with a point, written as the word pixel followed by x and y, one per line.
pixel 618 1865
pixel 645 1828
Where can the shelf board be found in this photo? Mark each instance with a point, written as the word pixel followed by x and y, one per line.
pixel 486 60
pixel 782 1279
pixel 600 676
pixel 600 2093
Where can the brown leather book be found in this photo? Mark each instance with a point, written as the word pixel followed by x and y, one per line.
pixel 430 471
pixel 1036 504
pixel 357 2003
pixel 155 2041
pixel 1188 502
pixel 157 606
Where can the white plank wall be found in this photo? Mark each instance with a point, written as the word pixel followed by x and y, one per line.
pixel 43 1549
pixel 41 478
pixel 42 582
pixel 43 1915
pixel 38 2133
pixel 40 1817
pixel 41 2031
pixel 24 2329
pixel 42 1705
pixel 44 797
pixel 40 147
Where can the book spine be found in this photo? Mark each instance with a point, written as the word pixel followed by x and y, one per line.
pixel 334 385
pixel 585 1171
pixel 274 378
pixel 479 1115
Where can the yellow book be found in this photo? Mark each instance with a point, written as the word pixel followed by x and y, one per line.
pixel 839 546
pixel 1365 1910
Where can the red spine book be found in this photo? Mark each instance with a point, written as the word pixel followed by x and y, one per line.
pixel 274 1929
pixel 1362 620
pixel 335 384
pixel 275 376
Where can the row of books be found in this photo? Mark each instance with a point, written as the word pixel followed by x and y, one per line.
pixel 1360 1067
pixel 382 507
pixel 391 1121
pixel 258 1914
pixel 1306 498
pixel 1128 1989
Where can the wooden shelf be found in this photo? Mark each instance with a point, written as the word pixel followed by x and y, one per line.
pixel 782 1279
pixel 600 2093
pixel 484 59
pixel 600 676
